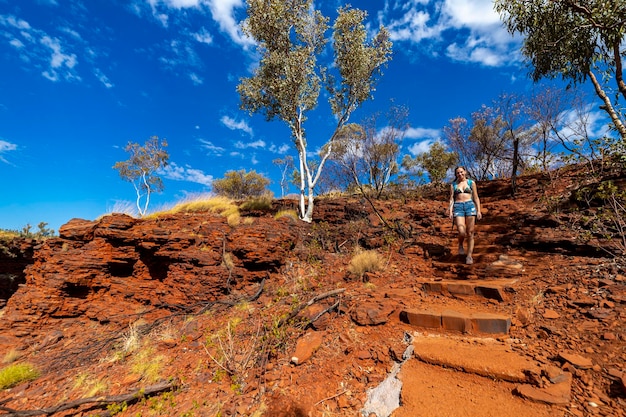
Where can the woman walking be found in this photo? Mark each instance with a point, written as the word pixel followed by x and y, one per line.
pixel 464 209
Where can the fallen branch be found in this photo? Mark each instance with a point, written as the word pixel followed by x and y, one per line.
pixel 327 310
pixel 131 397
pixel 330 398
pixel 309 303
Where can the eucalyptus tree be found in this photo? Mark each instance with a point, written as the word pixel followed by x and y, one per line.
pixel 291 40
pixel 577 40
pixel 437 161
pixel 141 169
pixel 367 154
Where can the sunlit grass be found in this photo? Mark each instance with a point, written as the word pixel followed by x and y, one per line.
pixel 8 234
pixel 289 213
pixel 16 373
pixel 263 202
pixel 366 261
pixel 123 207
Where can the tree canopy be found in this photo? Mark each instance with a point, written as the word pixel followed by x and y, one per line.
pixel 574 39
pixel 286 85
pixel 141 169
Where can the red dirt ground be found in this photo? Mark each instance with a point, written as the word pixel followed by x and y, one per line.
pixel 219 346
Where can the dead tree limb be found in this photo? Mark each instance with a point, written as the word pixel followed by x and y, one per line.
pixel 309 303
pixel 131 397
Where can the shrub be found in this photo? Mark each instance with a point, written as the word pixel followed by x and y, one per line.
pixel 367 261
pixel 16 373
pixel 241 184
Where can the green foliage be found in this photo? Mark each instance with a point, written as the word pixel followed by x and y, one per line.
pixel 241 184
pixel 117 408
pixel 16 373
pixel 141 169
pixel 366 154
pixel 42 232
pixel 571 40
pixel 608 220
pixel 436 162
pixel 286 85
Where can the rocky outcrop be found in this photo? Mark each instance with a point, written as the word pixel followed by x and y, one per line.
pixel 113 268
pixel 15 255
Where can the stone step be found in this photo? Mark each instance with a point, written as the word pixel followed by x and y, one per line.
pixel 503 267
pixel 490 289
pixel 486 357
pixel 496 360
pixel 457 321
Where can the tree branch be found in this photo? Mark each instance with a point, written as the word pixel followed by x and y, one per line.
pixel 131 397
pixel 309 303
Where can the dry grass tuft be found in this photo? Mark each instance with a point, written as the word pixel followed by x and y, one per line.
pixel 290 214
pixel 263 202
pixel 366 261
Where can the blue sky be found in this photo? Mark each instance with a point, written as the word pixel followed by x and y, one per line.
pixel 81 78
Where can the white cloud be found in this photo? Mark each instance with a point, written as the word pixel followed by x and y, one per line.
pixel 421 133
pixel 255 145
pixel 61 64
pixel 421 147
pixel 471 13
pixel 175 172
pixel 203 36
pixel 195 79
pixel 103 78
pixel 223 13
pixel 6 147
pixel 211 148
pixel 281 150
pixel 41 50
pixel 425 138
pixel 463 30
pixel 233 124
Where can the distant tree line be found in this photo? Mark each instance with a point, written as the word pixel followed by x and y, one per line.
pixel 512 135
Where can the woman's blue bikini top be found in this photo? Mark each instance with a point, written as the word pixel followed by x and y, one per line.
pixel 467 190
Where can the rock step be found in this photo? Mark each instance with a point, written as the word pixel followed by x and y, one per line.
pixel 495 290
pixel 496 360
pixel 456 321
pixel 504 266
pixel 486 357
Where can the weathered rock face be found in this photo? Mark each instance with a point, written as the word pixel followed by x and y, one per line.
pixel 15 255
pixel 113 268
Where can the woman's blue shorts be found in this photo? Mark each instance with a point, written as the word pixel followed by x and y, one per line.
pixel 464 209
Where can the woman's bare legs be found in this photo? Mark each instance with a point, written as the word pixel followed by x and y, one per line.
pixel 460 226
pixel 471 221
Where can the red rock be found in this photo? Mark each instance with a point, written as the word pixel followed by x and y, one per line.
pixel 557 394
pixel 372 313
pixel 578 361
pixel 550 314
pixel 306 347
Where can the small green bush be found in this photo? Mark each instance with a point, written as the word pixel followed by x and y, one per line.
pixel 16 373
pixel 241 184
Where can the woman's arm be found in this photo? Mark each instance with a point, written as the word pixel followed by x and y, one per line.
pixel 479 215
pixel 450 208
